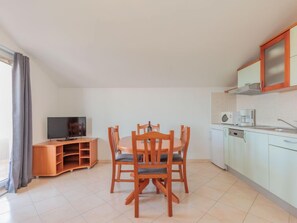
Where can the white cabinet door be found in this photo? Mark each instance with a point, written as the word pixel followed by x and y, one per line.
pixel 282 173
pixel 293 71
pixel 249 75
pixel 256 158
pixel 236 153
pixel 217 148
pixel 226 146
pixel 293 42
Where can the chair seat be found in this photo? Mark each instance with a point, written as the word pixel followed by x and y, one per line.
pixel 124 157
pixel 152 171
pixel 176 157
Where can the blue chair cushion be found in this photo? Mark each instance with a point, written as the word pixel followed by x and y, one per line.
pixel 126 157
pixel 152 171
pixel 176 157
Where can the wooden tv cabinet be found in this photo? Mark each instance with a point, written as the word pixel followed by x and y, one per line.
pixel 52 158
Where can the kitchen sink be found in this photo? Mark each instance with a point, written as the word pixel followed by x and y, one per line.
pixel 277 129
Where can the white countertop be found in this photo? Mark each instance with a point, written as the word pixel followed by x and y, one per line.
pixel 256 129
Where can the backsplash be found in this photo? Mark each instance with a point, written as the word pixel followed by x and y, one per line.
pixel 270 107
pixel 221 102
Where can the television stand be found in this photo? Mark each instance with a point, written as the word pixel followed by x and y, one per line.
pixel 66 139
pixel 55 157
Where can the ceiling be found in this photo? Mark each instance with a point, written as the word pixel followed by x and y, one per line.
pixel 144 43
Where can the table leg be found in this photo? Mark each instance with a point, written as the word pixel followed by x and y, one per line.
pixel 142 185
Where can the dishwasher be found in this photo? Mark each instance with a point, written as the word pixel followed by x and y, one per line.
pixel 236 149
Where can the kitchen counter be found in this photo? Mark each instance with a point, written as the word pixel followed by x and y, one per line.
pixel 270 130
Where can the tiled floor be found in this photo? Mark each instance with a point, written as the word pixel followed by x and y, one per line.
pixel 83 196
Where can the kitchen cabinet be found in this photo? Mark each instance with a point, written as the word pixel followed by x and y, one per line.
pixel 249 74
pixel 236 147
pixel 256 158
pixel 293 41
pixel 226 146
pixel 283 165
pixel 217 147
pixel 293 71
pixel 275 63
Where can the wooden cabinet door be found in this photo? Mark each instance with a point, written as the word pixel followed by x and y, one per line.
pixel 275 63
pixel 256 158
pixel 282 173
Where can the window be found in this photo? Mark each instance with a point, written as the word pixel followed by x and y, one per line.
pixel 5 119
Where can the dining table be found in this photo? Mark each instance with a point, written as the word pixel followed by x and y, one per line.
pixel 125 146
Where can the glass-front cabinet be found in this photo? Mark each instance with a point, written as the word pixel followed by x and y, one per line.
pixel 275 63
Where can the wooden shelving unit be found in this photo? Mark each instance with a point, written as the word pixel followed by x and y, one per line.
pixel 52 158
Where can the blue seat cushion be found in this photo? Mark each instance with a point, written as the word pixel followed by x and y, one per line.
pixel 152 171
pixel 126 157
pixel 176 157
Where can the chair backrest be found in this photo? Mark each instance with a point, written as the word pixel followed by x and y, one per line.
pixel 152 143
pixel 143 128
pixel 114 137
pixel 185 138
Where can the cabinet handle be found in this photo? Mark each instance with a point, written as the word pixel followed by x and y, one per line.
pixel 288 141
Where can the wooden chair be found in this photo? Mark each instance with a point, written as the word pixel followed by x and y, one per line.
pixel 152 167
pixel 143 128
pixel 118 159
pixel 180 158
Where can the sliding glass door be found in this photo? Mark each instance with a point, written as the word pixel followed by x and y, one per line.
pixel 5 120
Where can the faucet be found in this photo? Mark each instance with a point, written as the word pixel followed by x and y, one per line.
pixel 281 120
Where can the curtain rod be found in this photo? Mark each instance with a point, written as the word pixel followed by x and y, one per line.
pixel 5 49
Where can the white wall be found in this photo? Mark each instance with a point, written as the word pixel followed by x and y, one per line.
pixel 126 107
pixel 270 107
pixel 44 91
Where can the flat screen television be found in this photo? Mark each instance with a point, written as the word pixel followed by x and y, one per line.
pixel 66 127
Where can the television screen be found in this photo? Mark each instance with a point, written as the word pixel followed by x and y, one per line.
pixel 66 127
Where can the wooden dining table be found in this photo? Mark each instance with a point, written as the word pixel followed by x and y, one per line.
pixel 125 145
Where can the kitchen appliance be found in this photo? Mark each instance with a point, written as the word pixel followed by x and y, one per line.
pixel 247 117
pixel 217 147
pixel 248 89
pixel 236 145
pixel 230 118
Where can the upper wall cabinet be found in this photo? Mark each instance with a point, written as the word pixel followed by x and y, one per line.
pixel 293 59
pixel 275 66
pixel 293 41
pixel 249 74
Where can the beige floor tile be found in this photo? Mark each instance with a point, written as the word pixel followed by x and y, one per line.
pixel 199 202
pixel 58 215
pixel 186 213
pixel 102 213
pixel 208 219
pixel 50 204
pixel 227 214
pixel 147 213
pixel 77 219
pixel 86 203
pixel 240 202
pixel 210 192
pixel 266 209
pixel 19 215
pixel 254 219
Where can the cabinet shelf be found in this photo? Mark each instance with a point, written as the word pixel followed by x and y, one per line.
pixel 70 154
pixel 59 163
pixel 85 149
pixel 70 165
pixel 85 157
